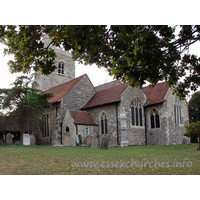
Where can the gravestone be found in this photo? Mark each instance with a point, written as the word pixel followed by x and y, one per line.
pixel 89 140
pixel 77 139
pixel 26 139
pixel 104 143
pixel 9 138
pixel 66 141
pixel 32 140
pixel 94 142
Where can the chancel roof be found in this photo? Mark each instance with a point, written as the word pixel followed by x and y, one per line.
pixel 107 96
pixel 156 94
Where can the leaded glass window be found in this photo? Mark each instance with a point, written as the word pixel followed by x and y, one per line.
pixel 155 119
pixel 104 123
pixel 137 113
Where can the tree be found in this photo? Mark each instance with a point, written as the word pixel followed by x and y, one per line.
pixel 194 107
pixel 194 130
pixel 24 104
pixel 136 53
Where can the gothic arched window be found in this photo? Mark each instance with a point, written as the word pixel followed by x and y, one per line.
pixel 155 119
pixel 137 113
pixel 104 124
pixel 61 68
pixel 178 112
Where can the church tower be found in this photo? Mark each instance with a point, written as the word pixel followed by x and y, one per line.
pixel 64 72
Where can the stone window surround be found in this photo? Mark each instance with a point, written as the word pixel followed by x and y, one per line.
pixel 150 113
pixel 100 115
pixel 87 131
pixel 134 126
pixel 178 117
pixel 63 63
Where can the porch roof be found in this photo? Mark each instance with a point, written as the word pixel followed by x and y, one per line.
pixel 82 118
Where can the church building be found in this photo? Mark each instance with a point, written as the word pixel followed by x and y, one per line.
pixel 125 115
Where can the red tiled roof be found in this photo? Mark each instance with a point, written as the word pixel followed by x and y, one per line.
pixel 82 118
pixel 156 94
pixel 62 90
pixel 106 96
pixel 107 85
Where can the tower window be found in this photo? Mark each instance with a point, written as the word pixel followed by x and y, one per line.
pixel 61 68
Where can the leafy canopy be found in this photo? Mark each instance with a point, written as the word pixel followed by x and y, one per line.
pixel 135 53
pixel 26 106
pixel 194 107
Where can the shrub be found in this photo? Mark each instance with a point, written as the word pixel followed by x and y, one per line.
pixel 193 130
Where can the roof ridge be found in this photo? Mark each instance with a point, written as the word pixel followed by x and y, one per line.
pixel 60 91
pixel 103 96
pixel 155 84
pixel 64 83
pixel 121 84
pixel 106 83
pixel 78 111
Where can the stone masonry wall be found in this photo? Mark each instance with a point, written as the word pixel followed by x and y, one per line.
pixel 68 135
pixel 79 95
pixel 176 132
pixel 157 136
pixel 54 125
pixel 168 133
pixel 110 111
pixel 43 82
pixel 70 130
pixel 127 133
pixel 135 135
pixel 82 131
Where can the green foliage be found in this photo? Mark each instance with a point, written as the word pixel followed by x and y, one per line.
pixel 135 53
pixel 193 129
pixel 26 106
pixel 194 107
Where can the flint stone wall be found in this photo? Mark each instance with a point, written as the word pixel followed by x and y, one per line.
pixel 135 134
pixel 110 111
pixel 43 82
pixel 168 133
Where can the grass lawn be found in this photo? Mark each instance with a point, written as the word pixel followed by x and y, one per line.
pixel 171 159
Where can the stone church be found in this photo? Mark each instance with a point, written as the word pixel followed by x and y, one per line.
pixel 125 115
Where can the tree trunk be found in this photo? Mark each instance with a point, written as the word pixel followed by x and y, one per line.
pixel 198 149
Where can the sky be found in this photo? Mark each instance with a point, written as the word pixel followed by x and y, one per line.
pixel 97 75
